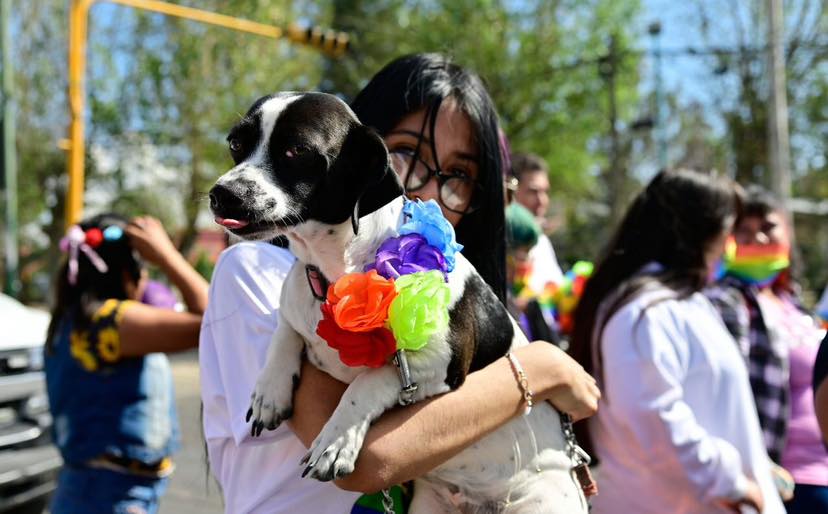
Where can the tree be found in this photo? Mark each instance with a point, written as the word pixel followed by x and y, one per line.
pixel 540 60
pixel 739 31
pixel 183 85
pixel 41 122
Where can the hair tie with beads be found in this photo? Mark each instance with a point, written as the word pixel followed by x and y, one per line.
pixel 76 239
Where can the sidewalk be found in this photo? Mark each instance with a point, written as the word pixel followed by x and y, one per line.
pixel 192 490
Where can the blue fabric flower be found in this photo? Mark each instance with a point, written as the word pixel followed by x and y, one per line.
pixel 426 219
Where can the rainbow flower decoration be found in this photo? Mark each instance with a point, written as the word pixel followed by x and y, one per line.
pixel 754 264
pixel 558 301
pixel 426 219
pixel 401 299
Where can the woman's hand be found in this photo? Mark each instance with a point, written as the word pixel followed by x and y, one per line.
pixel 148 237
pixel 752 498
pixel 560 379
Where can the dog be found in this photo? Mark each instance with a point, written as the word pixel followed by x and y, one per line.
pixel 305 168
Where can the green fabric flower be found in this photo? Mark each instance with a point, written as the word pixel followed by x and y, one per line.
pixel 420 309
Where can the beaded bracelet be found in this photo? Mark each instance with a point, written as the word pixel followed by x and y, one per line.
pixel 522 381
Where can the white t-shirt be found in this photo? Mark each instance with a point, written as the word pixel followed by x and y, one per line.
pixel 257 475
pixel 676 428
pixel 545 267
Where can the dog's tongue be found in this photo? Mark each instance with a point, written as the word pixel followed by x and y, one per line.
pixel 231 223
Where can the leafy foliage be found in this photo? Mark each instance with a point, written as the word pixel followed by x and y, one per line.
pixel 162 93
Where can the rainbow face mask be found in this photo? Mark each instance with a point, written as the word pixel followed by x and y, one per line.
pixel 754 264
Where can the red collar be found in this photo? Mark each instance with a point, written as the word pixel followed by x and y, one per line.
pixel 317 282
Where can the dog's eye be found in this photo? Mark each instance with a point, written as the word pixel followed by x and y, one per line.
pixel 295 151
pixel 235 145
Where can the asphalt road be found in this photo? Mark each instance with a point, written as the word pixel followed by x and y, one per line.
pixel 192 490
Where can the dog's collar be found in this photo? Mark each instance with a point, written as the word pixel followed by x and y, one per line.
pixel 317 282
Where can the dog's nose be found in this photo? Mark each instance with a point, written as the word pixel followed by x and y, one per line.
pixel 222 198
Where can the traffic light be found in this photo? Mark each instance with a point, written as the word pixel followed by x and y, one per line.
pixel 331 42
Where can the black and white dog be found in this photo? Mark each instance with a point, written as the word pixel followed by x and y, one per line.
pixel 307 169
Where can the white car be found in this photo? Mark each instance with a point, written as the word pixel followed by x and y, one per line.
pixel 28 461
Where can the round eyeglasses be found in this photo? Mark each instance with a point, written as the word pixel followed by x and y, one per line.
pixel 458 193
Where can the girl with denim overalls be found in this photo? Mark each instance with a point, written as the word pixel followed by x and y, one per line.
pixel 109 383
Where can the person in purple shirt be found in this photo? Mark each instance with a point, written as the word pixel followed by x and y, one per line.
pixel 779 341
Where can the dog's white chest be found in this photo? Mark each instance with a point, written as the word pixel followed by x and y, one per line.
pixel 302 311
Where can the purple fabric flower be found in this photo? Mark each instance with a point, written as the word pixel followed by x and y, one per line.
pixel 407 254
pixel 158 295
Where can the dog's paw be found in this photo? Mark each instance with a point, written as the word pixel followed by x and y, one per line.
pixel 334 453
pixel 270 404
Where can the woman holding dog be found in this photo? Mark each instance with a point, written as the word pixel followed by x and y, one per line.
pixel 676 430
pixel 109 382
pixel 441 129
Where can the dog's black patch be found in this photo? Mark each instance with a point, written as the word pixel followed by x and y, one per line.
pixel 318 155
pixel 244 136
pixel 341 160
pixel 480 331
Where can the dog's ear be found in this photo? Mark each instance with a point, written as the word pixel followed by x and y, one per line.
pixel 363 157
pixel 362 163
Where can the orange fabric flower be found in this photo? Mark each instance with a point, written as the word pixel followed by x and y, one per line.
pixel 370 348
pixel 360 301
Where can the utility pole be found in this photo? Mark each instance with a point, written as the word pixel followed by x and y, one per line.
pixel 608 68
pixel 658 111
pixel 12 281
pixel 779 151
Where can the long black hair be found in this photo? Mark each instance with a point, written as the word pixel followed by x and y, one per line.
pixel 673 222
pixel 423 81
pixel 80 300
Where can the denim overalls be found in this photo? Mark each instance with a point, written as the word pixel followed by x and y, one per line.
pixel 114 419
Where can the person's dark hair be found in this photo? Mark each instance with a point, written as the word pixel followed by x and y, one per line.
pixel 93 287
pixel 759 202
pixel 523 163
pixel 672 222
pixel 424 81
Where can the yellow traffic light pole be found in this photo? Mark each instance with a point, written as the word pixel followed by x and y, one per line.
pixel 330 42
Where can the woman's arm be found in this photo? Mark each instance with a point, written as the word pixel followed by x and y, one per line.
pixel 144 329
pixel 149 238
pixel 444 425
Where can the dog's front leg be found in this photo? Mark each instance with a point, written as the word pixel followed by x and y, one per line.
pixel 334 452
pixel 272 398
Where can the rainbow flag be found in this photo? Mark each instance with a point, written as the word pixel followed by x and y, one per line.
pixel 756 264
pixel 561 299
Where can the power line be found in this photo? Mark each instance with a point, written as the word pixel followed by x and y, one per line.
pixel 688 51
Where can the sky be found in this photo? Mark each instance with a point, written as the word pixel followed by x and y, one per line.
pixel 687 77
pixel 684 74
